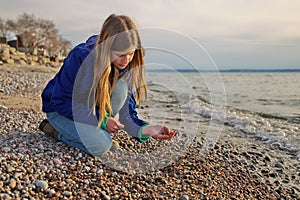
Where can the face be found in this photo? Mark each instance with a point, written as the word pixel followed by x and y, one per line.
pixel 122 58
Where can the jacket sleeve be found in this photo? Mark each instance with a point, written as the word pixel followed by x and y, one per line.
pixel 69 100
pixel 128 117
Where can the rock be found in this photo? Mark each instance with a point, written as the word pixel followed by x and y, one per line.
pixel 43 167
pixel 5 196
pixel 115 145
pixel 115 173
pixel 19 187
pixel 267 158
pixel 67 193
pixel 243 161
pixel 9 61
pixel 31 186
pixel 17 175
pixel 42 184
pixel 51 192
pixel 184 197
pixel 57 161
pixel 21 62
pixel 279 165
pixel 3 107
pixel 286 181
pixel 279 170
pixel 106 197
pixel 273 174
pixel 6 149
pixel 265 171
pixel 194 175
pixel 12 183
pixel 87 168
pixel 12 50
pixel 5 53
pixel 79 155
pixel 10 169
pixel 10 55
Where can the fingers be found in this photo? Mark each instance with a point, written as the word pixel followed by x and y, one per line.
pixel 117 127
pixel 114 129
pixel 120 125
pixel 166 135
pixel 165 130
pixel 113 125
pixel 172 134
pixel 162 137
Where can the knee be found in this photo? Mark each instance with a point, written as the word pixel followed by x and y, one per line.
pixel 100 149
pixel 96 141
pixel 100 145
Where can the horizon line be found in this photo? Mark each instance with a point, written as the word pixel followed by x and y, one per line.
pixel 224 70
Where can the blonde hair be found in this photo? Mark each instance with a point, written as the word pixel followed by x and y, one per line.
pixel 118 33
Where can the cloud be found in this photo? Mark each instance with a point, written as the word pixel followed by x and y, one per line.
pixel 251 24
pixel 193 17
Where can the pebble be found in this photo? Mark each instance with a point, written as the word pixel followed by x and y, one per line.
pixel 6 149
pixel 12 183
pixel 42 184
pixel 279 165
pixel 87 168
pixel 44 168
pixel 31 186
pixel 115 173
pixel 33 165
pixel 10 169
pixel 115 145
pixel 57 161
pixel 17 175
pixel 243 161
pixel 184 197
pixel 3 107
pixel 5 196
pixel 67 193
pixel 79 155
pixel 51 192
pixel 106 197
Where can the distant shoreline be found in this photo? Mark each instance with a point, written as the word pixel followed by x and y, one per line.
pixel 43 68
pixel 228 70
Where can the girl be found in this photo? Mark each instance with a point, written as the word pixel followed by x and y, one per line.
pixel 101 78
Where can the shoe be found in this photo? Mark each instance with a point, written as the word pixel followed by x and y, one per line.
pixel 47 128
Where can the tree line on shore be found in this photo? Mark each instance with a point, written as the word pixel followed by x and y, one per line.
pixel 35 33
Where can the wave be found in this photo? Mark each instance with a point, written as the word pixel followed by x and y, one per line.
pixel 279 132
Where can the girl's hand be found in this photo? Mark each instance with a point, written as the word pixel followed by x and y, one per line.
pixel 159 132
pixel 113 125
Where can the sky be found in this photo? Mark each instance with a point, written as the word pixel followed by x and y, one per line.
pixel 233 34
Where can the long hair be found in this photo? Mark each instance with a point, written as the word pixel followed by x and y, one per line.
pixel 118 33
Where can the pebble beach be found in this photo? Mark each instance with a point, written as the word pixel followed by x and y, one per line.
pixel 35 166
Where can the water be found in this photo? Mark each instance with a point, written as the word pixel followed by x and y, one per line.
pixel 275 93
pixel 263 105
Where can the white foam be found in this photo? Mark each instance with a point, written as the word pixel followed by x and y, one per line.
pixel 277 133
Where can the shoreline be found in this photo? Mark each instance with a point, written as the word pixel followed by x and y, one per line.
pixel 33 165
pixel 27 68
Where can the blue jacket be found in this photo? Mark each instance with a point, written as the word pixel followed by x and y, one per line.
pixel 67 92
